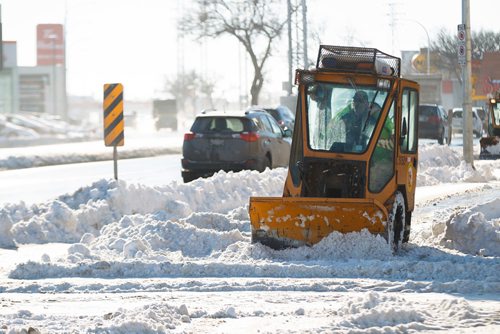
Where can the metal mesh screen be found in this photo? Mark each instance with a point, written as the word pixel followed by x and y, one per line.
pixel 363 60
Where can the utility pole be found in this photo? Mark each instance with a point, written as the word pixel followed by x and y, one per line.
pixel 467 89
pixel 290 58
pixel 304 33
pixel 296 58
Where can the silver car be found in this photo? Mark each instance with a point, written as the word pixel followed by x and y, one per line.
pixel 457 122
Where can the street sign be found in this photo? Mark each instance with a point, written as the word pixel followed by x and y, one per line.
pixel 461 51
pixel 113 115
pixel 50 44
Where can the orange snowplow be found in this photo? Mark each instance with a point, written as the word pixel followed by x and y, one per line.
pixel 353 159
pixel 490 145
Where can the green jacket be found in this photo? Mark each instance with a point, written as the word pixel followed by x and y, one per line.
pixel 354 126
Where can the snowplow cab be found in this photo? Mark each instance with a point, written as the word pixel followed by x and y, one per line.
pixel 490 145
pixel 348 171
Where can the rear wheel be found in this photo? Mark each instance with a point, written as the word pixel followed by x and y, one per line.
pixel 188 177
pixel 266 164
pixel 441 137
pixel 395 224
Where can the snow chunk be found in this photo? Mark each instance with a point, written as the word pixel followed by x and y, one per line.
pixel 475 230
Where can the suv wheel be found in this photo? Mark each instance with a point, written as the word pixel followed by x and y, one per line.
pixel 266 164
pixel 188 177
pixel 441 137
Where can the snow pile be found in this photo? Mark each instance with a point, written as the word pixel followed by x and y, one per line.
pixel 202 229
pixel 6 236
pixel 50 159
pixel 148 319
pixel 91 208
pixel 474 230
pixel 441 164
pixel 375 313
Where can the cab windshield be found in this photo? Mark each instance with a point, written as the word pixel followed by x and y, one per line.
pixel 342 118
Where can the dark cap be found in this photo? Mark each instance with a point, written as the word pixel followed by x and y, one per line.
pixel 360 96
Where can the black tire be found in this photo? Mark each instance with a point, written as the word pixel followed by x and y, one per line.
pixel 188 177
pixel 406 233
pixel 477 134
pixel 395 224
pixel 266 163
pixel 441 138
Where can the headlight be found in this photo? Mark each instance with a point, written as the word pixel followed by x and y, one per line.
pixel 384 84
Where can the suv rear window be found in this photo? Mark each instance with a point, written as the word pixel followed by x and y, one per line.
pixel 428 110
pixel 219 124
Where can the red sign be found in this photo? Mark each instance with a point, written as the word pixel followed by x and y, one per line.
pixel 49 44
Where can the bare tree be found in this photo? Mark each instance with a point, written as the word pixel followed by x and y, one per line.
pixel 446 46
pixel 256 24
pixel 189 86
pixel 182 86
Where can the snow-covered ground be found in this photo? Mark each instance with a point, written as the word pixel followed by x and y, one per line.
pixel 127 258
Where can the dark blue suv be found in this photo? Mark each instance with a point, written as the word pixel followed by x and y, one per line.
pixel 233 141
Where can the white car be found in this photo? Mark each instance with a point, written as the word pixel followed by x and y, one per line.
pixel 457 122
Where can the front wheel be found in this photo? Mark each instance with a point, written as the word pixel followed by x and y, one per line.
pixel 394 229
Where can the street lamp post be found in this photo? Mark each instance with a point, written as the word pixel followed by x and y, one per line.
pixel 428 44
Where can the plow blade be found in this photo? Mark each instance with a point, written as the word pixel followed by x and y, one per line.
pixel 281 222
pixel 490 148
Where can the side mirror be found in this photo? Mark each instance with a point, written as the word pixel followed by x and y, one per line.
pixel 404 128
pixel 287 133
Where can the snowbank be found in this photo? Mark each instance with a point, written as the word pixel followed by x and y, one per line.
pixel 202 229
pixel 473 230
pixel 441 164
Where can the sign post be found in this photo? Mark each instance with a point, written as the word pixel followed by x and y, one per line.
pixel 113 119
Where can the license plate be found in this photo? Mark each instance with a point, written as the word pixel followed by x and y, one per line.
pixel 422 118
pixel 216 142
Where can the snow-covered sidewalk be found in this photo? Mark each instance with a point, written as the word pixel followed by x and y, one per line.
pixel 76 152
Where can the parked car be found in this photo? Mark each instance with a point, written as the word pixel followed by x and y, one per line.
pixel 482 115
pixel 457 123
pixel 282 114
pixel 233 141
pixel 433 122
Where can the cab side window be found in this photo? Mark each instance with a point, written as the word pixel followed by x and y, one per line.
pixel 409 118
pixel 382 160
